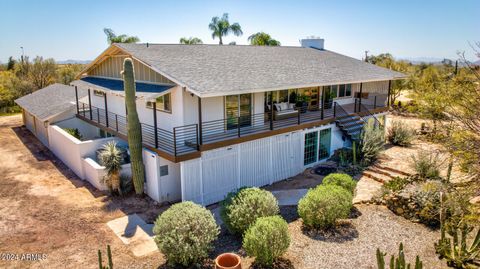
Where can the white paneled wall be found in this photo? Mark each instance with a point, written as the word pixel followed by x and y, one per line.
pixel 208 179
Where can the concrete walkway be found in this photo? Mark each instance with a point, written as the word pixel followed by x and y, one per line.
pixel 135 233
pixel 289 197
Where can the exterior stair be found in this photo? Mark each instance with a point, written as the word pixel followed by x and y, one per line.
pixel 351 126
pixel 383 174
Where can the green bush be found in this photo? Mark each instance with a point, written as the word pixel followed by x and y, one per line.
pixel 240 210
pixel 427 165
pixel 185 232
pixel 395 184
pixel 267 239
pixel 400 134
pixel 343 180
pixel 371 144
pixel 427 201
pixel 74 132
pixel 322 206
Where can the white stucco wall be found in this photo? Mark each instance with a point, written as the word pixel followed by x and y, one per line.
pixel 94 173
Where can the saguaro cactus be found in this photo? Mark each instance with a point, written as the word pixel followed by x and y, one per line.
pixel 134 129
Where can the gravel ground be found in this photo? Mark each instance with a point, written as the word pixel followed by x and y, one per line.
pixel 354 244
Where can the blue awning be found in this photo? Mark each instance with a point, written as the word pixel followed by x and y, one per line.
pixel 147 90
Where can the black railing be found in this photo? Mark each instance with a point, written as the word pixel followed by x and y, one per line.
pixel 181 141
pixel 367 115
pixel 186 139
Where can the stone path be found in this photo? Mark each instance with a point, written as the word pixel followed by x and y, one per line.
pixel 135 233
pixel 366 189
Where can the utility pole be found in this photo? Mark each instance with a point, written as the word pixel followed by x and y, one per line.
pixel 366 56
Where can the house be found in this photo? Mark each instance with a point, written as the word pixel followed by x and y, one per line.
pixel 216 118
pixel 50 105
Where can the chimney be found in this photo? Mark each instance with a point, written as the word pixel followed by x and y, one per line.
pixel 313 42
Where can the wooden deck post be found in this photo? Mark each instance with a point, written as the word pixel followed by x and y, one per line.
pixel 106 108
pixel 90 104
pixel 360 99
pixel 76 99
pixel 375 102
pixel 388 94
pixel 155 131
pixel 271 110
pixel 200 135
pixel 334 109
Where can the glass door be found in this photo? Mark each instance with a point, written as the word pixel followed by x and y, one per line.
pixel 238 110
pixel 310 151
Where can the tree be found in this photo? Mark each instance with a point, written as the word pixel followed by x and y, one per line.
pixel 262 39
pixel 67 73
pixel 42 72
pixel 113 38
pixel 190 41
pixel 221 27
pixel 11 63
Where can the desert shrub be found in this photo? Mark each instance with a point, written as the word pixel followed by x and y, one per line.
pixel 371 144
pixel 395 184
pixel 343 180
pixel 185 232
pixel 267 239
pixel 400 134
pixel 126 184
pixel 428 204
pixel 426 165
pixel 241 209
pixel 74 132
pixel 111 158
pixel 322 206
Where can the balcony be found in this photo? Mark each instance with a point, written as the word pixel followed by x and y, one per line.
pixel 186 142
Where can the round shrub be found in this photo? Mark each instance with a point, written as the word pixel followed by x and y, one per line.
pixel 322 206
pixel 267 239
pixel 343 180
pixel 240 210
pixel 185 232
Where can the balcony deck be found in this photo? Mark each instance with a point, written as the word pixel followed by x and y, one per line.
pixel 185 142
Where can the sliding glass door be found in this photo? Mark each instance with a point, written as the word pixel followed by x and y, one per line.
pixel 317 146
pixel 238 109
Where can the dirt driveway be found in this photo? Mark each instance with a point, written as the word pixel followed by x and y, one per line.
pixel 46 209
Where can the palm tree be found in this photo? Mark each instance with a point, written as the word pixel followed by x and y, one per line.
pixel 221 27
pixel 190 41
pixel 262 39
pixel 113 38
pixel 111 157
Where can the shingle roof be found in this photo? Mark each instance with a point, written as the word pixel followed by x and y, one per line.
pixel 50 101
pixel 142 89
pixel 210 70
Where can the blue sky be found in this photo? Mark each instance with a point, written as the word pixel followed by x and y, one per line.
pixel 407 29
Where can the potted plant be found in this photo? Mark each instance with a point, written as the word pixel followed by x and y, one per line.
pixel 228 261
pixel 302 103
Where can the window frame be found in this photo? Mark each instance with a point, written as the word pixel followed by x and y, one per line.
pixel 158 107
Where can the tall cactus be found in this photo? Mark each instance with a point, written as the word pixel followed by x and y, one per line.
pixel 109 259
pixel 134 129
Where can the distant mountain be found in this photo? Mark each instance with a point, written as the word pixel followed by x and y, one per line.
pixel 74 62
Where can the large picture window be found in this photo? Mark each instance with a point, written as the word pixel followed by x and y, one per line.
pixel 163 103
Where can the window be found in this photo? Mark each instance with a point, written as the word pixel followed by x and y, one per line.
pixel 283 96
pixel 310 152
pixel 164 170
pixel 324 143
pixel 333 91
pixel 317 146
pixel 341 90
pixel 348 90
pixel 97 93
pixel 163 103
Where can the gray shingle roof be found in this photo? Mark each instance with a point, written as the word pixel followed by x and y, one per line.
pixel 210 70
pixel 50 101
